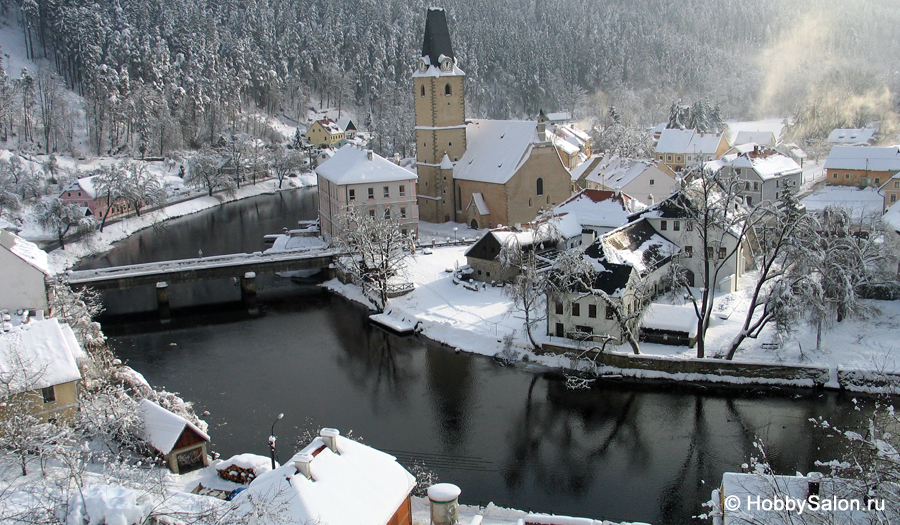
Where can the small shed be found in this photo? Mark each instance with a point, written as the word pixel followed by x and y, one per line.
pixel 181 443
pixel 670 325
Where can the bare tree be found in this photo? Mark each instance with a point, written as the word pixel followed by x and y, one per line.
pixel 142 188
pixel 284 162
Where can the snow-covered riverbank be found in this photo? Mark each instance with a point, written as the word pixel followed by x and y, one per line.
pixel 99 242
pixel 477 321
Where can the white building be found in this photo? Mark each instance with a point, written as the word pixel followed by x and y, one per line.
pixel 360 179
pixel 645 180
pixel 767 174
pixel 25 269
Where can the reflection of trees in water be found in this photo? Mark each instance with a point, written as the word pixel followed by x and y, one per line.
pixel 375 361
pixel 450 386
pixel 559 440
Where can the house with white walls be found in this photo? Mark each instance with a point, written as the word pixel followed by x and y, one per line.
pixel 25 269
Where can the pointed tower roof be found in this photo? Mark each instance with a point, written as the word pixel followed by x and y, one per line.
pixel 437 36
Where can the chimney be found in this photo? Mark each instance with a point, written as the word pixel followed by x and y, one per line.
pixel 444 501
pixel 302 464
pixel 329 436
pixel 587 237
pixel 370 154
pixel 39 315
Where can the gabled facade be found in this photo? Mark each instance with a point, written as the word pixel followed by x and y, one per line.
pixel 347 127
pixel 360 179
pixel 25 268
pixel 39 370
pixel 767 174
pixel 324 133
pixel 672 218
pixel 481 172
pixel 891 191
pixel 83 193
pixel 684 148
pixel 181 443
pixel 646 181
pixel 630 262
pixel 861 166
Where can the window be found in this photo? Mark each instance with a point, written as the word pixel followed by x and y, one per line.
pixel 540 186
pixel 387 213
pixel 371 193
pixel 834 176
pixel 49 394
pixel 652 182
pixel 351 195
pixel 576 309
pixel 423 91
pixel 722 252
pixel 689 226
pixel 755 186
pixel 372 213
pixel 678 158
pixel 592 311
pixel 893 197
pixel 584 329
pixel 688 251
pixel 79 193
pixel 403 190
pixel 663 225
pixel 387 192
pixel 402 212
pixel 529 202
pixel 877 180
pixel 709 252
pixel 846 175
pixel 609 312
pixel 447 90
pixel 559 308
pixel 560 330
pixel 676 225
pixel 668 158
pixel 896 185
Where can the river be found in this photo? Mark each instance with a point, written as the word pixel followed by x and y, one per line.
pixel 512 435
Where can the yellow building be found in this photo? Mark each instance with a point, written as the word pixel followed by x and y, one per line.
pixel 481 172
pixel 861 166
pixel 325 133
pixel 39 372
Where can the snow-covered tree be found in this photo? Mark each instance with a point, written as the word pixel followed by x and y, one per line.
pixel 285 161
pixel 204 172
pixel 378 251
pixel 61 217
pixel 142 188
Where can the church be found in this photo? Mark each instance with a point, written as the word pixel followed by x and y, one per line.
pixel 484 173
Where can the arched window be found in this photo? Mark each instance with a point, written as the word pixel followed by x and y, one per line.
pixel 447 90
pixel 540 186
pixel 423 91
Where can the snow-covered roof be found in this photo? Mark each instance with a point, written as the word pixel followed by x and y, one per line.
pixel 763 138
pixel 359 485
pixel 330 126
pixel 344 123
pixel 671 317
pixel 25 250
pixel 688 141
pixel 616 172
pixel 564 145
pixel 567 224
pixel 573 132
pixel 37 355
pixel 353 165
pixel 85 184
pixel 864 158
pixel 599 208
pixel 851 135
pixel 859 202
pixel 559 116
pixel 892 218
pixel 162 428
pixel 495 150
pixel 480 204
pixel 768 164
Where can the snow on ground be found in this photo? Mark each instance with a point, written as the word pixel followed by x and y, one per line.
pixel 98 242
pixel 429 231
pixel 476 321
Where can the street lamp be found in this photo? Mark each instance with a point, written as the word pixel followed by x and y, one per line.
pixel 272 440
pixel 454 234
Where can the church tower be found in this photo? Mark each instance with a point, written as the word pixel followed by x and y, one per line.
pixel 440 120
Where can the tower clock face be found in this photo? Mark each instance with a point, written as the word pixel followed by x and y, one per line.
pixel 447 64
pixel 423 65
